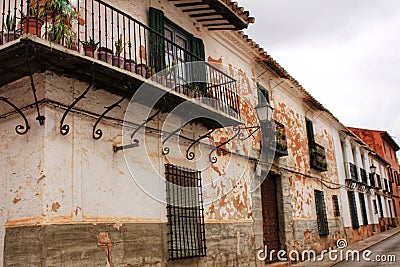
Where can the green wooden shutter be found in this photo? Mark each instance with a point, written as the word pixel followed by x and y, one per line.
pixel 157 45
pixel 310 134
pixel 197 48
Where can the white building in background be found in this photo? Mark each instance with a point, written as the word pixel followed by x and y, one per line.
pixel 365 203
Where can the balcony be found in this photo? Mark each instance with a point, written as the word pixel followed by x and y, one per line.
pixel 95 37
pixel 318 158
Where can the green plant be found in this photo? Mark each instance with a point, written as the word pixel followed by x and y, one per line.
pixel 91 43
pixel 119 46
pixel 61 33
pixel 9 24
pixel 151 70
pixel 194 87
pixel 35 11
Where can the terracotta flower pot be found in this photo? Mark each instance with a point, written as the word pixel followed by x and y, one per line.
pixel 33 24
pixel 130 65
pixel 104 54
pixel 141 70
pixel 89 50
pixel 118 61
pixel 9 36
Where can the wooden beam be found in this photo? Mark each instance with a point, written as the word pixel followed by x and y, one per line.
pixel 208 14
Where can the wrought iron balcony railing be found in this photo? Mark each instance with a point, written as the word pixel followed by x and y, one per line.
pixel 98 30
pixel 318 158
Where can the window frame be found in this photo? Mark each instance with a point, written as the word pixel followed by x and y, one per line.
pixel 186 228
pixel 320 208
pixel 336 209
pixel 353 209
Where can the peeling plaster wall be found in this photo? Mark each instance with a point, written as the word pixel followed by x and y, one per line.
pixel 75 179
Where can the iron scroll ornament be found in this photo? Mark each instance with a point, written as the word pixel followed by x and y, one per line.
pixel 98 133
pixel 20 129
pixel 214 159
pixel 64 128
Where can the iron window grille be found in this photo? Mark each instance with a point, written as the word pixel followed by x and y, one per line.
pixel 353 209
pixel 322 221
pixel 185 213
pixel 380 207
pixel 363 208
pixel 375 206
pixel 336 210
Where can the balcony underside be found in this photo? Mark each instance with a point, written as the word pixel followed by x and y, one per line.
pixel 46 56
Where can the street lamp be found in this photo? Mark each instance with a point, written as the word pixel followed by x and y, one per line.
pixel 373 169
pixel 264 112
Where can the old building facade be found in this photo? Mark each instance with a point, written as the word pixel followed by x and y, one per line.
pixel 386 148
pixel 118 152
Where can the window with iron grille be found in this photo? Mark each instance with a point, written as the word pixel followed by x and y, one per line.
pixel 353 209
pixel 386 185
pixel 323 228
pixel 375 206
pixel 363 208
pixel 336 210
pixel 185 213
pixel 353 172
pixel 364 177
pixel 372 180
pixel 378 179
pixel 380 206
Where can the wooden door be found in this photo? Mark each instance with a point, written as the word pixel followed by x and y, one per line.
pixel 270 216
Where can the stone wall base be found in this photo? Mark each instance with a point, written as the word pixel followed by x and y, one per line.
pixel 135 244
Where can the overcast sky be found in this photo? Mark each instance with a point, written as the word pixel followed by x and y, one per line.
pixel 346 53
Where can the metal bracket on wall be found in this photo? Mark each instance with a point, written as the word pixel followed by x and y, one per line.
pixel 135 142
pixel 166 150
pixel 241 135
pixel 39 117
pixel 19 127
pixel 191 155
pixel 64 128
pixel 214 159
pixel 97 134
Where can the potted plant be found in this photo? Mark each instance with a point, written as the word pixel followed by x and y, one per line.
pixel 141 69
pixel 117 60
pixel 89 47
pixel 193 90
pixel 104 54
pixel 10 33
pixel 33 22
pixel 130 65
pixel 150 71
